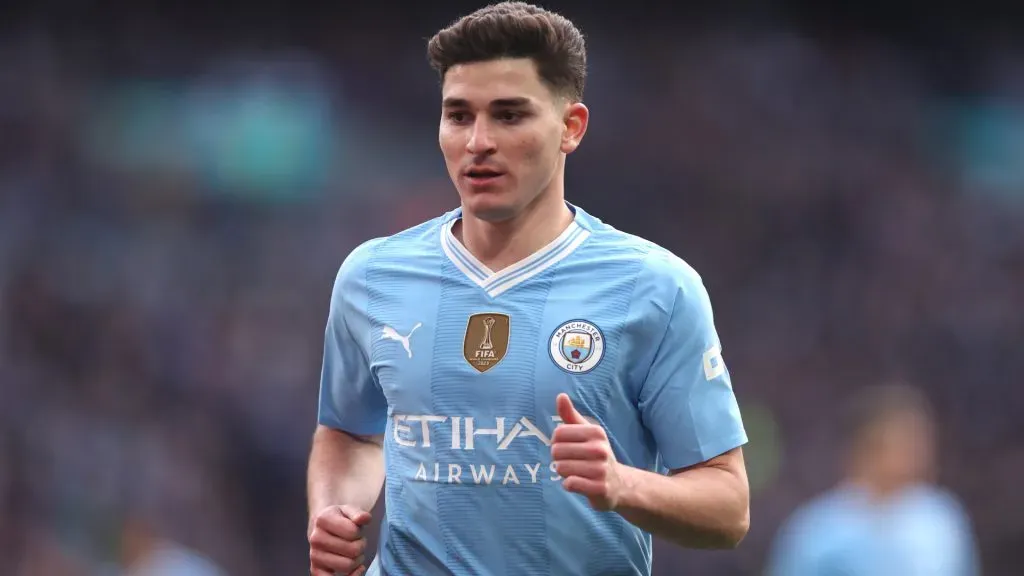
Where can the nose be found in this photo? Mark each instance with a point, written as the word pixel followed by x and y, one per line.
pixel 480 141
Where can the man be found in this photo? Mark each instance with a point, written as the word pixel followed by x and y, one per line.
pixel 146 547
pixel 455 348
pixel 885 518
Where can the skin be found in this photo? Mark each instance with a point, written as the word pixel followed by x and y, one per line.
pixel 499 115
pixel 894 453
pixel 342 468
pixel 703 506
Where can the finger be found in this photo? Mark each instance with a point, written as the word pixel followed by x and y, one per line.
pixel 567 411
pixel 590 469
pixel 360 517
pixel 326 572
pixel 578 433
pixel 333 563
pixel 585 486
pixel 321 540
pixel 591 450
pixel 359 571
pixel 337 525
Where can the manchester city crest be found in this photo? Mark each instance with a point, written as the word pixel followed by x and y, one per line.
pixel 577 346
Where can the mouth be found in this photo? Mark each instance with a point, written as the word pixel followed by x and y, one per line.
pixel 482 175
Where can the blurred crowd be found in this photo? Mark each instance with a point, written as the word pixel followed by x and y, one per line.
pixel 172 215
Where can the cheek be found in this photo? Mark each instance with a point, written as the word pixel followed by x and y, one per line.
pixel 452 157
pixel 530 153
pixel 537 152
pixel 449 142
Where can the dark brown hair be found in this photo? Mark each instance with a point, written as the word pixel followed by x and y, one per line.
pixel 516 30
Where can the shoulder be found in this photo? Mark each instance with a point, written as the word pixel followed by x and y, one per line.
pixel 662 278
pixel 173 560
pixel 940 503
pixel 357 260
pixel 409 244
pixel 665 285
pixel 658 267
pixel 351 274
pixel 825 509
pixel 805 534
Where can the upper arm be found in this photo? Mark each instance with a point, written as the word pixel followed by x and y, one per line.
pixel 329 432
pixel 731 472
pixel 350 398
pixel 686 399
pixel 731 462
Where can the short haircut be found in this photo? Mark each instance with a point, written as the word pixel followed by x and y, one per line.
pixel 875 405
pixel 516 30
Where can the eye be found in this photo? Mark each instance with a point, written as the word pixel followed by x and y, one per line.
pixel 509 116
pixel 457 117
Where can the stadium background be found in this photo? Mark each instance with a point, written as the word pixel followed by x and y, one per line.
pixel 179 183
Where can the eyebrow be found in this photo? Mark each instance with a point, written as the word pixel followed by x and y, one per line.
pixel 516 102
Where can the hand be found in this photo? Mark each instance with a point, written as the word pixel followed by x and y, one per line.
pixel 336 543
pixel 584 459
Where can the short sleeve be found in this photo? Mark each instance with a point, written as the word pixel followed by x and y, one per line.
pixel 350 398
pixel 686 399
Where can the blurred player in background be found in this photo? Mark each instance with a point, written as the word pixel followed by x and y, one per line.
pixel 537 391
pixel 146 550
pixel 886 517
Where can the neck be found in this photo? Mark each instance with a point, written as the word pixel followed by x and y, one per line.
pixel 877 486
pixel 501 244
pixel 138 551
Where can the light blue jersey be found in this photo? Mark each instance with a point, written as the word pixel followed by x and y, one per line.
pixel 921 532
pixel 459 367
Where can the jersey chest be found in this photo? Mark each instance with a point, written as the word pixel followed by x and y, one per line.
pixel 445 347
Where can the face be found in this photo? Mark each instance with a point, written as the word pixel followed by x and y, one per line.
pixel 504 136
pixel 903 449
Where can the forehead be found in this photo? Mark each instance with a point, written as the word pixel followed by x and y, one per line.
pixel 482 82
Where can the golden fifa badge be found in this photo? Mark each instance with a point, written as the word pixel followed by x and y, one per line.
pixel 486 341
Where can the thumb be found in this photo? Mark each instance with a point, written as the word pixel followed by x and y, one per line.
pixel 567 411
pixel 357 516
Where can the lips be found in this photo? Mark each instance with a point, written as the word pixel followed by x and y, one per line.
pixel 482 173
pixel 482 176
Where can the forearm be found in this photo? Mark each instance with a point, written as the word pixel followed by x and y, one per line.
pixel 344 469
pixel 705 507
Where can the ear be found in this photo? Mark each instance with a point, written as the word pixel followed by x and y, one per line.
pixel 575 122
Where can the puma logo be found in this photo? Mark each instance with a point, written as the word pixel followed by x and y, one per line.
pixel 390 334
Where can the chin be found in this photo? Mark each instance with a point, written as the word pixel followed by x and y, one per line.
pixel 493 214
pixel 490 207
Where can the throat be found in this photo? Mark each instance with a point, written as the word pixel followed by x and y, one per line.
pixel 499 245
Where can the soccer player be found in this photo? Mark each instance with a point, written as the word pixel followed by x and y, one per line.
pixel 885 518
pixel 537 392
